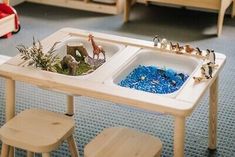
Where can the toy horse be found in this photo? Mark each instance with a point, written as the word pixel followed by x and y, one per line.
pixel 97 49
pixel 173 46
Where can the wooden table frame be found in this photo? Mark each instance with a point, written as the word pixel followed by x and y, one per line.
pixel 220 5
pixel 180 107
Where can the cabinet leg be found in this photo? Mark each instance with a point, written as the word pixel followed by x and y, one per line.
pixel 213 107
pixel 70 105
pixel 223 6
pixel 233 9
pixel 179 136
pixel 127 7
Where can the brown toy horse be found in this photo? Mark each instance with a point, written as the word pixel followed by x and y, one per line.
pixel 97 49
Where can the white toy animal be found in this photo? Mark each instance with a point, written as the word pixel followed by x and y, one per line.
pixel 164 43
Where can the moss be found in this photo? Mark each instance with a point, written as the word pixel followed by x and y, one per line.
pixel 81 70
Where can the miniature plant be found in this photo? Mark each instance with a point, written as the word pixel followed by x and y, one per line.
pixel 45 60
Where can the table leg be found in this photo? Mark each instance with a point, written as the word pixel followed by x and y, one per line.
pixel 127 7
pixel 213 107
pixel 179 136
pixel 10 105
pixel 70 105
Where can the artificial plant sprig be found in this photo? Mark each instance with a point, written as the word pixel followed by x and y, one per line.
pixel 45 60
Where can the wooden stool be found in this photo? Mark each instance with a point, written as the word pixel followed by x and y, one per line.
pixel 38 131
pixel 123 142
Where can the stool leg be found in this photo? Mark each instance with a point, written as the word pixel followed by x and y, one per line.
pixel 5 150
pixel 72 146
pixel 46 155
pixel 30 154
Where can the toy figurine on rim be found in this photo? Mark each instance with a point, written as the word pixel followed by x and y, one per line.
pixel 208 68
pixel 163 43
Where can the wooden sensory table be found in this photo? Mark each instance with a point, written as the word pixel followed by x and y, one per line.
pixel 180 107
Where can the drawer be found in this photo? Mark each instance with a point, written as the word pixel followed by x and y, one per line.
pixel 207 4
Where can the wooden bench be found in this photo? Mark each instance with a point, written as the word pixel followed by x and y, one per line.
pixel 123 142
pixel 38 131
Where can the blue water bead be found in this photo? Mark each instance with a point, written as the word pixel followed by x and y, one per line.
pixel 170 73
pixel 153 79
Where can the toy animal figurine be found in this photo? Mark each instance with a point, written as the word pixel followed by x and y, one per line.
pixel 206 73
pixel 198 51
pixel 188 49
pixel 97 49
pixel 164 43
pixel 156 40
pixel 173 46
pixel 70 63
pixel 178 48
pixel 210 55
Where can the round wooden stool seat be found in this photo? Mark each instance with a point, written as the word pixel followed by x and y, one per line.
pixel 123 142
pixel 38 131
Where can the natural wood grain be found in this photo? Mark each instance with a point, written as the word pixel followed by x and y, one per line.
pixel 123 142
pixel 30 154
pixel 193 92
pixel 37 130
pixel 220 5
pixel 180 106
pixel 83 5
pixel 46 155
pixel 233 9
pixel 11 152
pixel 5 150
pixel 73 146
pixel 70 105
pixel 179 136
pixel 206 4
pixel 52 81
pixel 10 99
pixel 213 110
pixel 223 6
pixel 127 7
